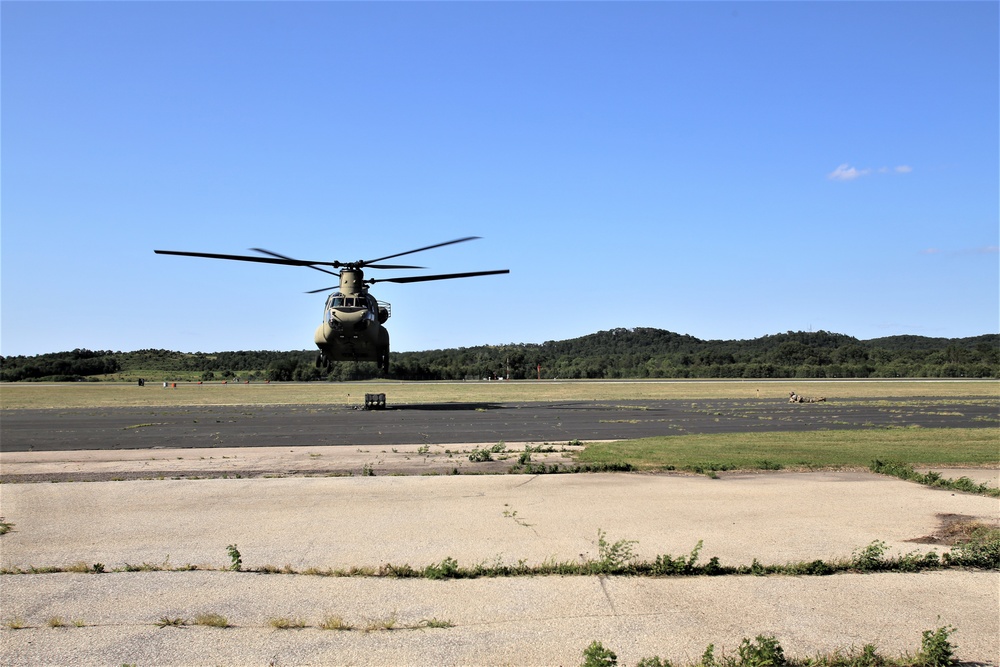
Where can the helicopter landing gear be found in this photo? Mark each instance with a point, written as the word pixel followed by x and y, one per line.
pixel 383 360
pixel 322 362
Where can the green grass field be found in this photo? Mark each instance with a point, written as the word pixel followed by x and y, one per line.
pixel 795 451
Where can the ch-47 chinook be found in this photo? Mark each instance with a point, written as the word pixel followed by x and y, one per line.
pixel 351 329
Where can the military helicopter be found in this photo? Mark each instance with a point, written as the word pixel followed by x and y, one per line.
pixel 351 329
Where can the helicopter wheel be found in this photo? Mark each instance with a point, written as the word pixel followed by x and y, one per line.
pixel 383 361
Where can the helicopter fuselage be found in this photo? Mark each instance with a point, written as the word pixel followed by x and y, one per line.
pixel 352 329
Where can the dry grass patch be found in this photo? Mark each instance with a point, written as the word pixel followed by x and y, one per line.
pixel 211 620
pixel 111 394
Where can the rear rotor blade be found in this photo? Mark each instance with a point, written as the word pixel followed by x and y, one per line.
pixel 445 276
pixel 369 262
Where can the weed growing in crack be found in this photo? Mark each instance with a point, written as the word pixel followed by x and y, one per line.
pixel 446 569
pixel 211 620
pixel 333 622
pixel 613 557
pixel 387 623
pixel 236 559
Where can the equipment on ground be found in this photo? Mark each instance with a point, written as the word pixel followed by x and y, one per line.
pixel 795 398
pixel 351 329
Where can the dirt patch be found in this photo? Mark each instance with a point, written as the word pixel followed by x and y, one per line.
pixel 955 529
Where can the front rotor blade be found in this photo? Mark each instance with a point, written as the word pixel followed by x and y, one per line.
pixel 445 276
pixel 325 289
pixel 287 261
pixel 274 254
pixel 392 266
pixel 369 262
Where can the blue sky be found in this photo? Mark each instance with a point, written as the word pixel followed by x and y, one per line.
pixel 724 170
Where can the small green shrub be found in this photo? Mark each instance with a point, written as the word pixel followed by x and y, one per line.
pixel 870 558
pixel 596 655
pixel 446 569
pixel 936 649
pixel 666 564
pixel 764 651
pixel 653 662
pixel 480 455
pixel 868 658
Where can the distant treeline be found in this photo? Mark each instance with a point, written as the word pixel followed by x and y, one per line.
pixel 618 353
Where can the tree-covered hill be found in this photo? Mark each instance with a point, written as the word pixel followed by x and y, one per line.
pixel 618 353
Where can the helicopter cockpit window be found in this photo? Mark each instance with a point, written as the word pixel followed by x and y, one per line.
pixel 340 301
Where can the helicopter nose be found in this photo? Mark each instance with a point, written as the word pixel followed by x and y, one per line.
pixel 348 322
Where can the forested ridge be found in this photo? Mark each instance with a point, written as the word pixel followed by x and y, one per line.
pixel 618 353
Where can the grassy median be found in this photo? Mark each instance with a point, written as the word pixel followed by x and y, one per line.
pixel 802 450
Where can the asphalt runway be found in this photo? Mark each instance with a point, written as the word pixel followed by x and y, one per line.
pixel 452 423
pixel 163 513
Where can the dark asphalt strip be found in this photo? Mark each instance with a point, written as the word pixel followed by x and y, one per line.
pixel 454 423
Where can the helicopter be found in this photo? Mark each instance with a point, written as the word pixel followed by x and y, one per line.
pixel 352 327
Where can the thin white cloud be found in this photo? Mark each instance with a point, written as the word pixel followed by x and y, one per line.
pixel 846 172
pixel 981 250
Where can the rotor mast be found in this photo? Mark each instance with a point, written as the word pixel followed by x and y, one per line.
pixel 352 281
